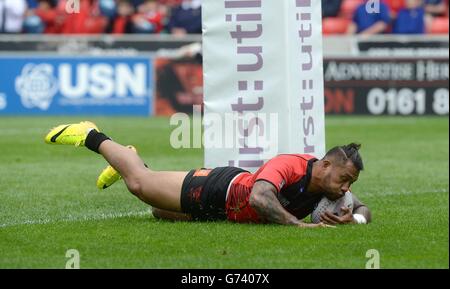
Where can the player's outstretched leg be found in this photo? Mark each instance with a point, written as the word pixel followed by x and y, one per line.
pixel 109 175
pixel 158 189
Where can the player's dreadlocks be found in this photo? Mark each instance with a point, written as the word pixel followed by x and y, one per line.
pixel 347 152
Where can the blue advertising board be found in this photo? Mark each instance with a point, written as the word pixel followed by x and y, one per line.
pixel 76 85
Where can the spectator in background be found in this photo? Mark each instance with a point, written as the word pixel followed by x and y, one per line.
pixel 186 18
pixel 12 13
pixel 370 22
pixel 32 4
pixel 395 6
pixel 136 3
pixel 149 18
pixel 331 8
pixel 122 23
pixel 166 7
pixel 88 21
pixel 52 19
pixel 170 3
pixel 411 19
pixel 435 7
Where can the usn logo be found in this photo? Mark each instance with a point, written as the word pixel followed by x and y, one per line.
pixel 37 86
pixel 83 84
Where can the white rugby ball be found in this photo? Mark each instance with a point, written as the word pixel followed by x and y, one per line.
pixel 332 206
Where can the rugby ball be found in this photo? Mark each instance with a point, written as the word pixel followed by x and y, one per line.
pixel 332 206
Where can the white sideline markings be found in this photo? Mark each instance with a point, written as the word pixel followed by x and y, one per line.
pixel 100 217
pixel 148 212
pixel 402 193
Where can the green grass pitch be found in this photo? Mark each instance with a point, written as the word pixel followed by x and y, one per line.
pixel 49 203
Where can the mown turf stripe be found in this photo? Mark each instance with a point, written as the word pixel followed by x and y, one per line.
pixel 100 217
pixel 147 213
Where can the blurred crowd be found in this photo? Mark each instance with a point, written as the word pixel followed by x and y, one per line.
pixel 180 17
pixel 385 16
pixel 100 16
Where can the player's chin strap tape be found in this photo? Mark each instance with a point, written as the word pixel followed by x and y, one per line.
pixel 360 219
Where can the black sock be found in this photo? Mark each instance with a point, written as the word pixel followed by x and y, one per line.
pixel 94 139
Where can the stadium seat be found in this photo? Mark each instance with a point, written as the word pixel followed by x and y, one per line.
pixel 348 8
pixel 439 25
pixel 335 25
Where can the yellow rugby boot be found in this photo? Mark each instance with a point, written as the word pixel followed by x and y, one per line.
pixel 109 175
pixel 70 134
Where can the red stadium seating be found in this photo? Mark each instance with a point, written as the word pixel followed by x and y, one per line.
pixel 336 25
pixel 439 25
pixel 348 8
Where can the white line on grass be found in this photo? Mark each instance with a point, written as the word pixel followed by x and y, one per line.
pixel 403 192
pixel 69 219
pixel 109 216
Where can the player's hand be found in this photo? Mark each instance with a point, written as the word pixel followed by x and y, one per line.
pixel 331 219
pixel 319 225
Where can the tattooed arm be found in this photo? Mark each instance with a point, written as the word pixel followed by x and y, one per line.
pixel 263 199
